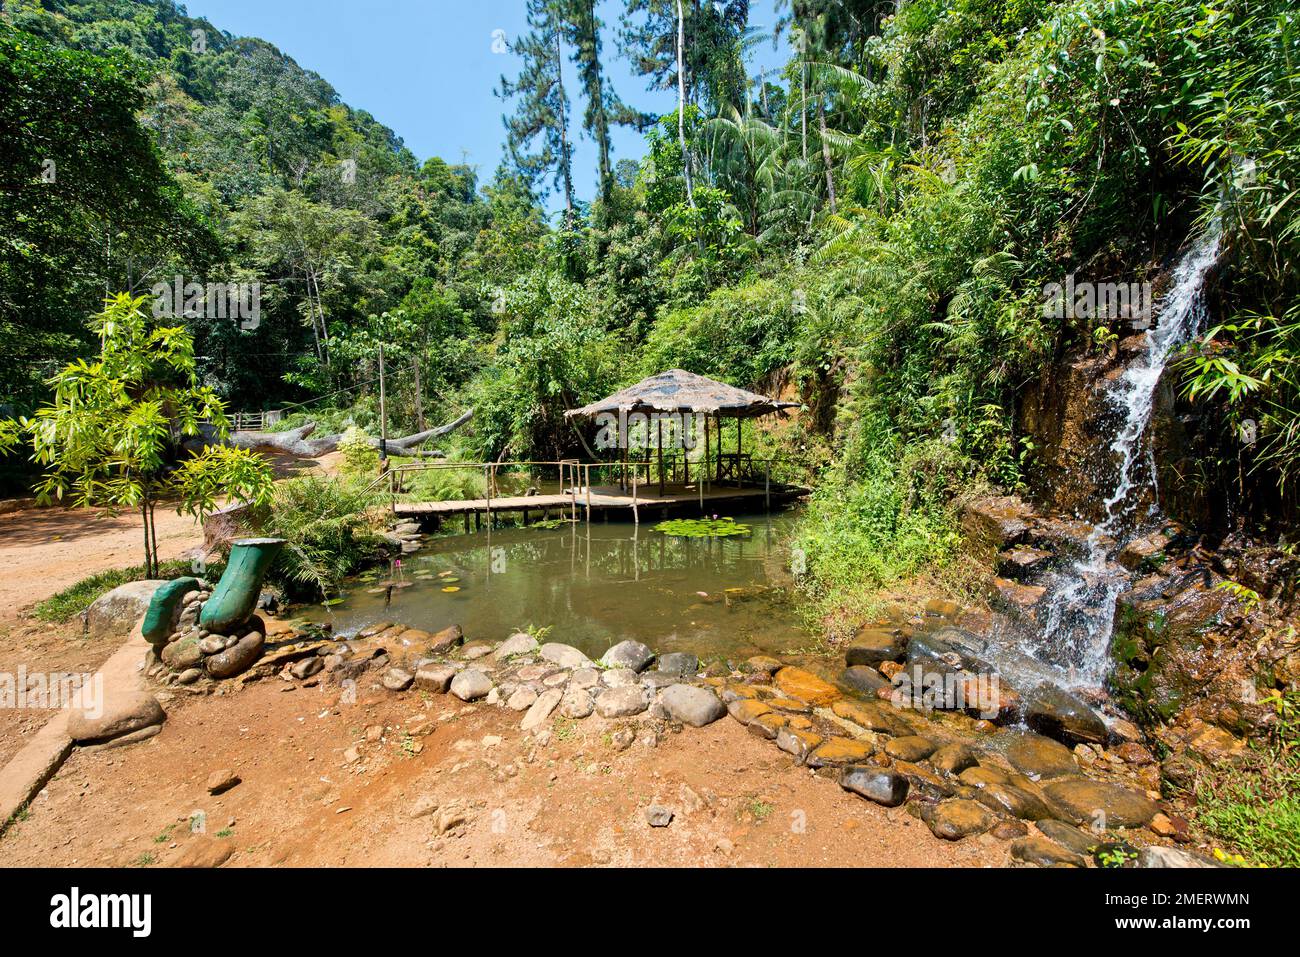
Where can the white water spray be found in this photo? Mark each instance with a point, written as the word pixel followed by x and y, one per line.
pixel 1080 607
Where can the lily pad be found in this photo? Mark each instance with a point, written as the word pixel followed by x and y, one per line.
pixel 703 528
pixel 451 588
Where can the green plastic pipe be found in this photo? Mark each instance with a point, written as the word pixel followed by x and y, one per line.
pixel 235 596
pixel 158 619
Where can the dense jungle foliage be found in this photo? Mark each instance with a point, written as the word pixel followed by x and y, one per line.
pixel 870 231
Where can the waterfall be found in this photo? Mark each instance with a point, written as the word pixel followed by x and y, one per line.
pixel 1079 606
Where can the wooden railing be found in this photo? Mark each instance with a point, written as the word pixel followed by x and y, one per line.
pixel 254 421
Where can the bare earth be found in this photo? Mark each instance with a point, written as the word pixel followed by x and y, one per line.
pixel 574 802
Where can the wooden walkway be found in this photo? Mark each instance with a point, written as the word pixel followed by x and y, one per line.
pixel 583 503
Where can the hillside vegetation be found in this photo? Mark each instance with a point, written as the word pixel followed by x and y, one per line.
pixel 873 228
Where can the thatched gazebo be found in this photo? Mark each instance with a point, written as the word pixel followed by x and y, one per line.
pixel 681 393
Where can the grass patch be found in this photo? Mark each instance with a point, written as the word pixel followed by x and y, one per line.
pixel 72 601
pixel 1258 814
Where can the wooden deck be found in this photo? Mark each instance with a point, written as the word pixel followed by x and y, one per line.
pixel 583 503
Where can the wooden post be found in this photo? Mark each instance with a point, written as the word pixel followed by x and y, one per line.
pixel 739 439
pixel 487 480
pixel 767 486
pixel 704 473
pixel 587 484
pixel 659 423
pixel 636 519
pixel 383 418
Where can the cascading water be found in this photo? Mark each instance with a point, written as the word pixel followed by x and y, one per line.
pixel 1079 607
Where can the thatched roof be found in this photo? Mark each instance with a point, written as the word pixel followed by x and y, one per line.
pixel 679 391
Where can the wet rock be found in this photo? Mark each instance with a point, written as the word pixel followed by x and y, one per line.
pixel 1014 598
pixel 876 784
pixel 566 656
pixel 746 710
pixel 238 657
pixel 798 743
pixel 924 782
pixel 474 650
pixel 762 664
pixel 681 663
pixel 628 654
pixel 576 703
pixel 1044 853
pixel 119 713
pixel 1020 802
pixel 798 683
pixel 657 815
pixel 434 677
pixel 873 716
pixel 1154 856
pixel 1039 757
pixel 955 819
pixel 993 523
pixel 1075 839
pixel 471 684
pixel 221 781
pixel 691 705
pixel 768 725
pixel 911 748
pixel 1101 803
pixel 541 709
pixel 863 679
pixel 1057 713
pixel 1023 562
pixel 1009 830
pixel 839 750
pixel 954 758
pixel 873 646
pixel 1143 553
pixel 621 702
pixel 517 644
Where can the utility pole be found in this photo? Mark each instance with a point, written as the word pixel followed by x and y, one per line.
pixel 383 417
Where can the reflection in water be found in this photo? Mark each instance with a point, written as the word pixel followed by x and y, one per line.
pixel 597 584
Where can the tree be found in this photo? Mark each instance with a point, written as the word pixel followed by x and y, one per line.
pixel 113 433
pixel 541 111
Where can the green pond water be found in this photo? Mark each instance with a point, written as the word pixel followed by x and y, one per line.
pixel 594 585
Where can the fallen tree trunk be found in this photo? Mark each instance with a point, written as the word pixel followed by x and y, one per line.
pixel 298 441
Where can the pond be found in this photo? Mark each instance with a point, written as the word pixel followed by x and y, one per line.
pixel 594 585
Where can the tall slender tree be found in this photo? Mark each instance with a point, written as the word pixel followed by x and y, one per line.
pixel 537 134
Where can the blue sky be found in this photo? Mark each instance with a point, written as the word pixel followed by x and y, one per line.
pixel 425 68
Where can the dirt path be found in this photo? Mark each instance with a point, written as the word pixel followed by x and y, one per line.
pixel 44 550
pixel 501 798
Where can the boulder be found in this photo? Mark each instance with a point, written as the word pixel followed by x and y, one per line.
pixel 1156 856
pixel 798 683
pixel 679 663
pixel 1075 839
pixel 954 758
pixel 519 643
pixel 442 641
pixel 873 646
pixel 1057 713
pixel 1039 757
pixel 876 784
pixel 910 748
pixel 120 713
pixel 1101 803
pixel 541 709
pixel 566 656
pixel 115 613
pixel 238 657
pixel 434 677
pixel 863 679
pixel 958 818
pixel 628 654
pixel 621 702
pixel 1036 849
pixel 691 705
pixel 471 684
pixel 576 703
